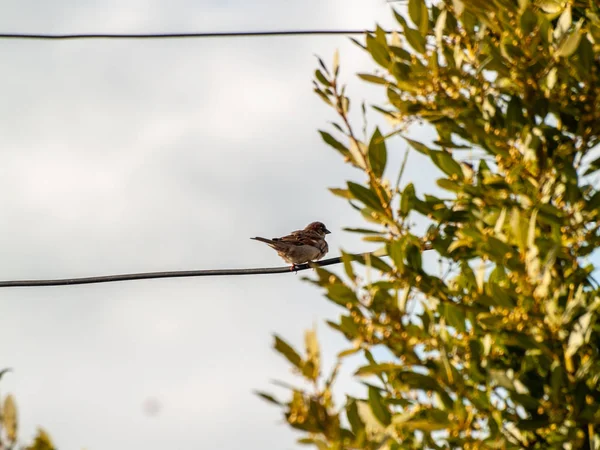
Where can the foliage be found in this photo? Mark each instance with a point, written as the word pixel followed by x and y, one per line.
pixel 41 441
pixel 500 349
pixel 9 426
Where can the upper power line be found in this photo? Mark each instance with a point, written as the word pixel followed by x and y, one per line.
pixel 225 34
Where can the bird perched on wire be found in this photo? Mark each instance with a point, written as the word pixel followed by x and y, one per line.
pixel 300 246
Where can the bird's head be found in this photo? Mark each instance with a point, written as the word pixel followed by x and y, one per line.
pixel 318 227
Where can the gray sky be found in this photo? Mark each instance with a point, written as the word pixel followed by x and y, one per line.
pixel 131 156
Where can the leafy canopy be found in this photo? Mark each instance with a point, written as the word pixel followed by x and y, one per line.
pixel 501 348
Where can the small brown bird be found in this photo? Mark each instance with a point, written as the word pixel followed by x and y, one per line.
pixel 300 246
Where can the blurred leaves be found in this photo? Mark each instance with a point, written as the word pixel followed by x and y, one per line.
pixel 9 426
pixel 9 418
pixel 286 350
pixel 42 441
pixel 308 366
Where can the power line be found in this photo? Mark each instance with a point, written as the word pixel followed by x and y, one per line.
pixel 226 34
pixel 176 274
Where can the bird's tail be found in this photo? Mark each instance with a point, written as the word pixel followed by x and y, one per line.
pixel 262 239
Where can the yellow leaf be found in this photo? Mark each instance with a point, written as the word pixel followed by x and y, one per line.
pixel 9 418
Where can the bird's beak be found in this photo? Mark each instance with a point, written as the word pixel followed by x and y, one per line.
pixel 327 231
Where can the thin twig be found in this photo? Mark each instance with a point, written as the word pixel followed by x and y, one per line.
pixel 400 174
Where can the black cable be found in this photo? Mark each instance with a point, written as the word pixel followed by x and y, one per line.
pixel 177 274
pixel 177 35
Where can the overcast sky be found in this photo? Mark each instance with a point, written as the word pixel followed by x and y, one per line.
pixel 132 156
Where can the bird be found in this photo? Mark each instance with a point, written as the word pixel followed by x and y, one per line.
pixel 300 246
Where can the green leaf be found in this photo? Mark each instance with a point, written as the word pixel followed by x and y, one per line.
pixel 269 398
pixel 361 230
pixel 586 55
pixel 556 380
pixel 375 239
pixel 569 45
pixel 323 96
pixel 528 21
pixel 396 251
pixel 407 199
pixel 498 249
pixel 489 321
pixel 449 185
pixel 514 115
pixel 413 257
pixel 333 142
pixel 367 196
pixel 532 259
pixel 401 53
pixel 415 39
pixel 347 261
pixel 322 79
pixel 323 66
pixel 344 193
pixel 348 351
pixel 378 408
pixel 455 316
pixel 377 153
pixel 372 78
pixel 415 8
pixel 419 381
pixel 497 296
pixel 348 326
pixel 286 350
pixel 354 419
pixel 375 369
pixel 341 294
pixel 449 165
pixel 402 73
pixel 381 36
pixel 378 51
pixel 419 14
pixel 429 419
pixel 421 148
pixel 372 424
pixel 400 19
pixel 320 445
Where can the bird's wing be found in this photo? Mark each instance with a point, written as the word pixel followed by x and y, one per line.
pixel 299 237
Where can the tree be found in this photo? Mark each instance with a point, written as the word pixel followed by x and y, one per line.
pixel 502 349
